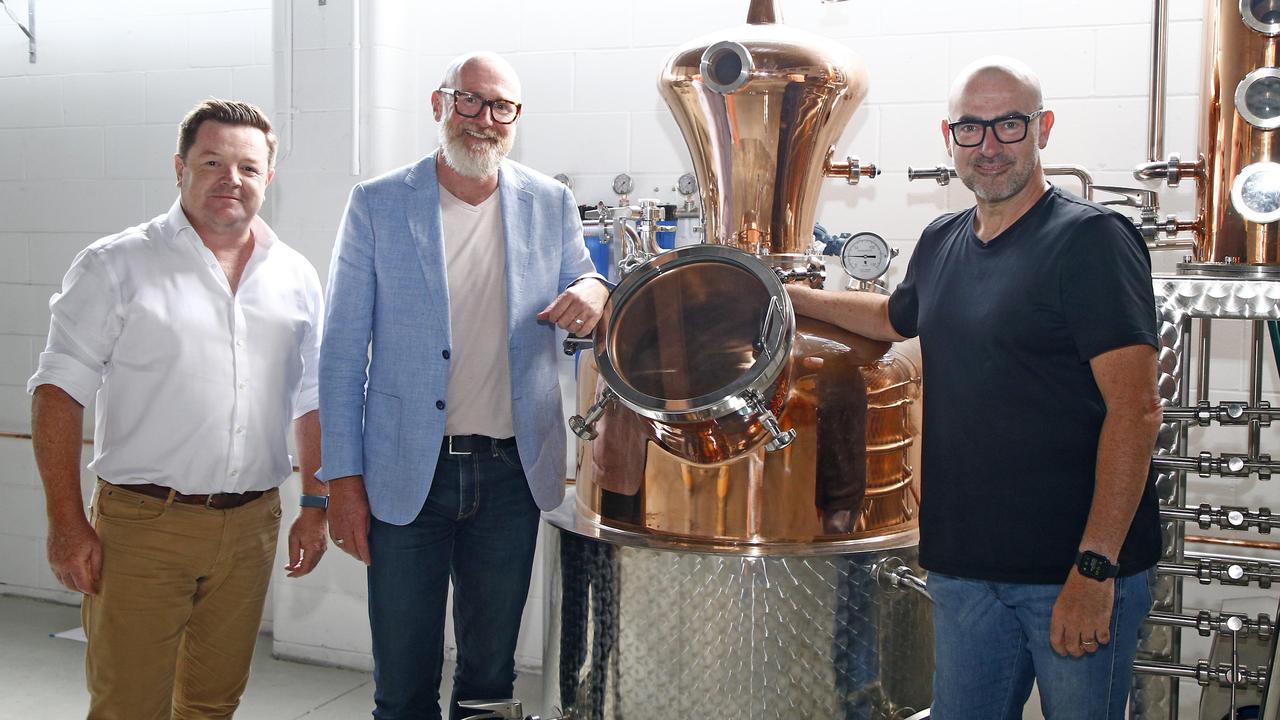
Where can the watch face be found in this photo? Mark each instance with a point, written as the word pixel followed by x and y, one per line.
pixel 1092 565
pixel 865 256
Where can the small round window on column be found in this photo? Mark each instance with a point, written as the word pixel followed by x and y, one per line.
pixel 1255 193
pixel 1258 98
pixel 1261 15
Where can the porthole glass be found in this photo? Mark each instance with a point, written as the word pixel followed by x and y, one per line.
pixel 726 66
pixel 1261 15
pixel 1258 98
pixel 1255 194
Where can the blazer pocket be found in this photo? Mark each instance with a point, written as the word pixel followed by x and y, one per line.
pixel 381 426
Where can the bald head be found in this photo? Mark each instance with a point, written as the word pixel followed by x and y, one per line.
pixel 1008 72
pixel 491 61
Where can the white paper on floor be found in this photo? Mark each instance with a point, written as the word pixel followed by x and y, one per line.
pixel 76 633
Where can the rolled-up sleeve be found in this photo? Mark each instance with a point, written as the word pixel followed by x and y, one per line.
pixel 83 327
pixel 308 398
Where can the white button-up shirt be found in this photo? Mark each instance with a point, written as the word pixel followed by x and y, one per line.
pixel 196 386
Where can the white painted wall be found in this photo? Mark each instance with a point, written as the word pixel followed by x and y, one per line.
pixel 86 135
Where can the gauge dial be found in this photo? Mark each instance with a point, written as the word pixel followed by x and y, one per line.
pixel 687 184
pixel 865 256
pixel 622 184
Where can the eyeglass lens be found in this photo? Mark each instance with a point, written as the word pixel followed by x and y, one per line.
pixel 1007 130
pixel 470 105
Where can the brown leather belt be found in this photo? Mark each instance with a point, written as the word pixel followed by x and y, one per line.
pixel 215 501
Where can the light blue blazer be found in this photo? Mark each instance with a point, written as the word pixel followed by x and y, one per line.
pixel 383 370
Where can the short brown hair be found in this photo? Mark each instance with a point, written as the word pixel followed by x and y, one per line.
pixel 229 112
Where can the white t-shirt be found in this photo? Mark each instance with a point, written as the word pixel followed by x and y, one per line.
pixel 479 397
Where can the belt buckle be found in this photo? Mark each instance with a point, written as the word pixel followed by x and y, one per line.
pixel 451 450
pixel 220 501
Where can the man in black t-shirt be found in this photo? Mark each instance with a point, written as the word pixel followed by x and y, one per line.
pixel 1036 317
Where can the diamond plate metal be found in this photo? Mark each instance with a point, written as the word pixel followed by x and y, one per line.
pixel 644 633
pixel 1216 297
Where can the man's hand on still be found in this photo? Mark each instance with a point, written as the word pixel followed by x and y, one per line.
pixel 577 309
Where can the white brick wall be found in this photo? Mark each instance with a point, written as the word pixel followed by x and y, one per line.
pixel 86 135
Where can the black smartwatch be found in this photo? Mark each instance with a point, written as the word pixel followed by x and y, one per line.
pixel 1095 566
pixel 316 501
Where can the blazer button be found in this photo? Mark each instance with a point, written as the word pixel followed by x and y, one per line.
pixel 439 404
pixel 444 354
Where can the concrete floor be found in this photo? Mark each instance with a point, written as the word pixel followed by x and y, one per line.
pixel 42 677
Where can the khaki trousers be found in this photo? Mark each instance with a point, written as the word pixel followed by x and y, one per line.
pixel 172 630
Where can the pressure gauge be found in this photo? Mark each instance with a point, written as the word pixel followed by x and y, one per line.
pixel 687 184
pixel 865 256
pixel 622 184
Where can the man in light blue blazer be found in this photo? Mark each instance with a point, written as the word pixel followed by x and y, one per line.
pixel 443 433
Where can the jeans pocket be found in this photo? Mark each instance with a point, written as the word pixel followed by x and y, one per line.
pixel 510 457
pixel 123 506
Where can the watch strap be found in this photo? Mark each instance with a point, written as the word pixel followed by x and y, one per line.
pixel 316 501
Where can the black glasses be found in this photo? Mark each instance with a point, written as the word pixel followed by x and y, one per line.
pixel 469 105
pixel 1008 129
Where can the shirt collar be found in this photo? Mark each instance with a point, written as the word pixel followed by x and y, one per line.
pixel 263 236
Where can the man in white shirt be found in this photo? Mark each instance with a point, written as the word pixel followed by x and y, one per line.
pixel 440 398
pixel 198 334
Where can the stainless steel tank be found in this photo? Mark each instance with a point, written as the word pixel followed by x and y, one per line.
pixel 751 472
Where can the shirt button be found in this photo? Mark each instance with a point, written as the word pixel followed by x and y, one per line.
pixel 240 430
pixel 243 385
pixel 439 404
pixel 444 354
pixel 235 473
pixel 239 343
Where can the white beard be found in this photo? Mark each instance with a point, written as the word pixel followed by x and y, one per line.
pixel 478 163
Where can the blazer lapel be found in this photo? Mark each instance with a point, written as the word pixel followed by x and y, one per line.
pixel 517 217
pixel 423 215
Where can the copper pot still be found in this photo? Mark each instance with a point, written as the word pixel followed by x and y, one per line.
pixel 737 424
pixel 1238 203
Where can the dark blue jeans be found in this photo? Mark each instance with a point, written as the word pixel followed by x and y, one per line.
pixel 477 528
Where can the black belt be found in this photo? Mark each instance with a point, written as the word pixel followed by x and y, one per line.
pixel 469 444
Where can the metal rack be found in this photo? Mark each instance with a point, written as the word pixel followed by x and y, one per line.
pixel 1185 301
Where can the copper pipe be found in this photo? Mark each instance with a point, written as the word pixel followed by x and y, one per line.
pixel 1233 542
pixel 763 12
